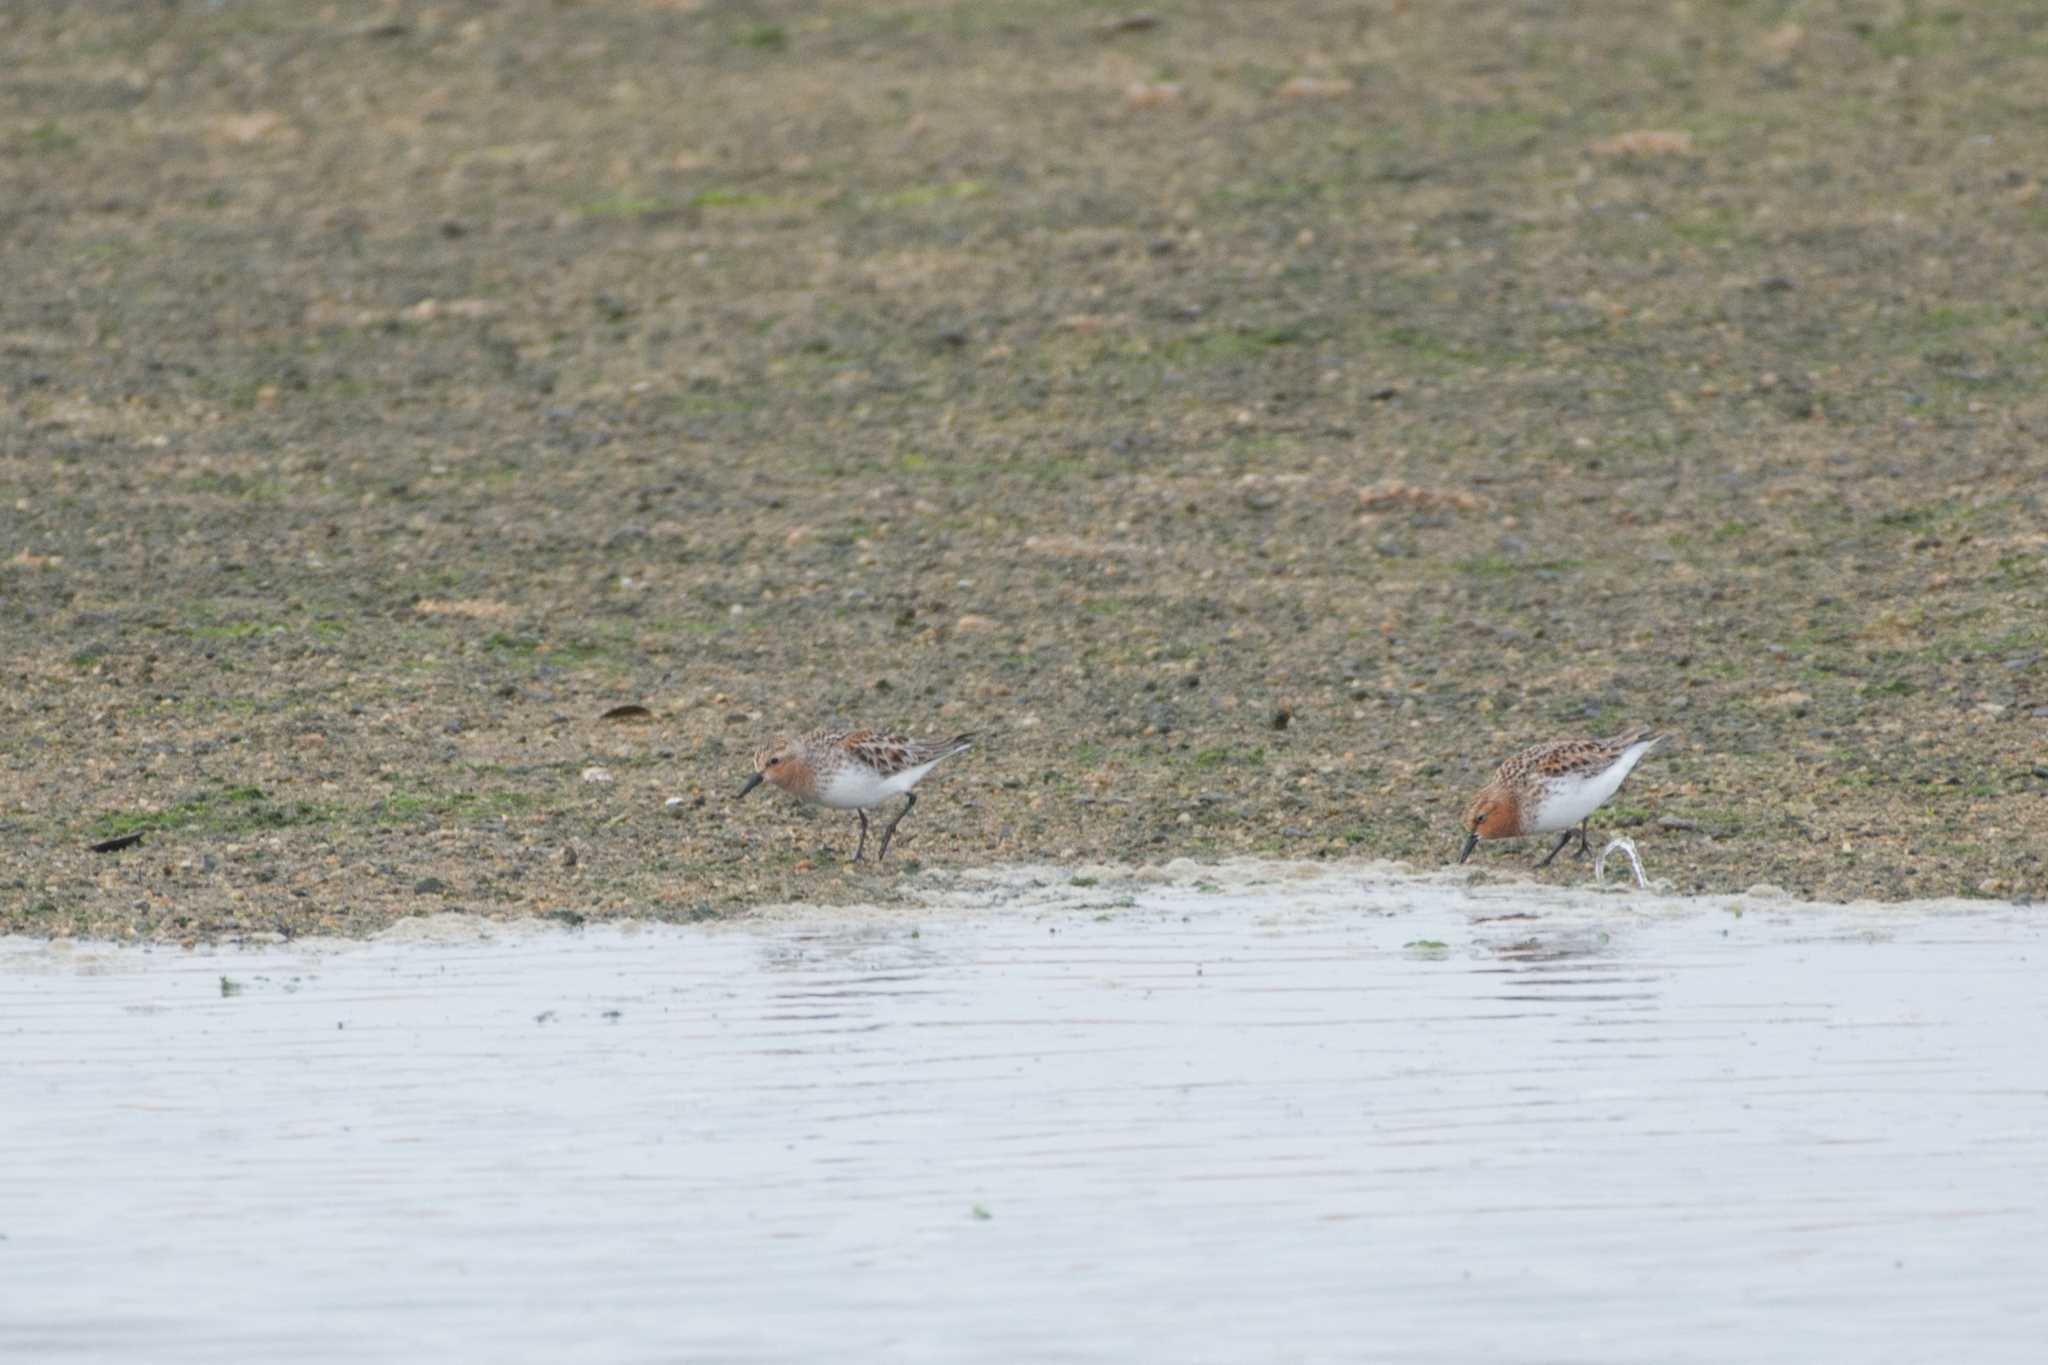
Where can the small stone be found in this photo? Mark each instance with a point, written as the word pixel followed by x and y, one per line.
pixel 1768 891
pixel 1151 94
pixel 1645 142
pixel 430 886
pixel 597 774
pixel 1128 23
pixel 1314 88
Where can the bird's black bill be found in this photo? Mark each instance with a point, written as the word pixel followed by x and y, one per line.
pixel 1471 842
pixel 752 783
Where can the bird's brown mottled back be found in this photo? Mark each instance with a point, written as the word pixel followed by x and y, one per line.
pixel 889 755
pixel 1565 756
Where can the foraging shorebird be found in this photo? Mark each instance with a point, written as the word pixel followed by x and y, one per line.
pixel 854 771
pixel 1553 787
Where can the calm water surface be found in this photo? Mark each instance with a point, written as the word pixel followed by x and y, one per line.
pixel 1140 1123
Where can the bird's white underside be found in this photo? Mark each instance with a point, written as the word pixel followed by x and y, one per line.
pixel 855 787
pixel 1568 800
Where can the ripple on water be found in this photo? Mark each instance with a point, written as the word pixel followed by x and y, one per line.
pixel 1144 1121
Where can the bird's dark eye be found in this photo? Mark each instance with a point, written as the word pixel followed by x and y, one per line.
pixel 775 760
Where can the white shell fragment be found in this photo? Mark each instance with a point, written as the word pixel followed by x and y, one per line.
pixel 1635 863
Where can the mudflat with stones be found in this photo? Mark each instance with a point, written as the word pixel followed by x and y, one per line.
pixel 439 444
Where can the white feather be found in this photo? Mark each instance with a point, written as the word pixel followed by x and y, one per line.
pixel 1570 799
pixel 856 786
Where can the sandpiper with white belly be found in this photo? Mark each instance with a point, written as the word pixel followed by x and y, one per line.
pixel 854 771
pixel 1553 787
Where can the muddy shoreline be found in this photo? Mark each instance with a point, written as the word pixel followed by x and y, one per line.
pixel 1053 894
pixel 1259 426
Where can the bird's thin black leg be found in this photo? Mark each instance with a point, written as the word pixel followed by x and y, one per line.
pixel 889 831
pixel 858 852
pixel 1562 840
pixel 1584 847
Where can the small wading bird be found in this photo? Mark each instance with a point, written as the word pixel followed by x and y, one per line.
pixel 855 772
pixel 1553 787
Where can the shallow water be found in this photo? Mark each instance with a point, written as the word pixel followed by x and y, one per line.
pixel 1165 1123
